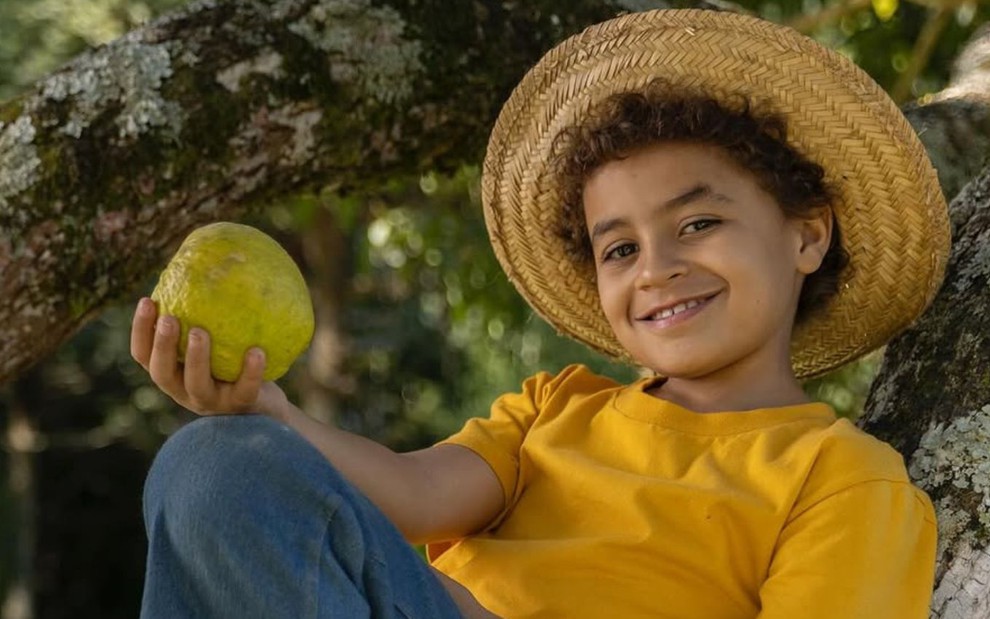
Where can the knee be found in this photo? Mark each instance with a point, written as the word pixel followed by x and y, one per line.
pixel 222 469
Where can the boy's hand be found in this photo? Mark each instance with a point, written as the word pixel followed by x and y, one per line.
pixel 155 344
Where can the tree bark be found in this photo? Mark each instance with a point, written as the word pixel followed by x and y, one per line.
pixel 931 397
pixel 931 400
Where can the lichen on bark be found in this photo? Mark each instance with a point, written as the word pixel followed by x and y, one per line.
pixel 126 75
pixel 365 44
pixel 962 591
pixel 19 161
pixel 952 462
pixel 268 63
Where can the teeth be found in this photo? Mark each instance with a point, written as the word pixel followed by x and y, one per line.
pixel 677 309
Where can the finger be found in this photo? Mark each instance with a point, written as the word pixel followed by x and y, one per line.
pixel 244 392
pixel 143 331
pixel 200 386
pixel 163 365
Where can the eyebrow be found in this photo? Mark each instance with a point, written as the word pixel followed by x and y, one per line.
pixel 698 192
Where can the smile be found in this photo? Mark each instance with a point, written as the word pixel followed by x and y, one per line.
pixel 679 313
pixel 677 309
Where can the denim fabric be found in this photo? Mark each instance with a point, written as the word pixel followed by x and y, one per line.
pixel 247 520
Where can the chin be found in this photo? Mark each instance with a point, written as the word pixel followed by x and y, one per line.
pixel 681 368
pixel 682 372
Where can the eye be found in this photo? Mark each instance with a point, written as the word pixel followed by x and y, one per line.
pixel 700 225
pixel 622 250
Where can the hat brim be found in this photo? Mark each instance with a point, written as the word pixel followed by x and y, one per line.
pixel 889 208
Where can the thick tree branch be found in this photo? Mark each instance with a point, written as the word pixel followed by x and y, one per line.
pixel 938 369
pixel 931 399
pixel 107 163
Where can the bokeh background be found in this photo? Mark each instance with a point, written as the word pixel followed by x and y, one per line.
pixel 417 327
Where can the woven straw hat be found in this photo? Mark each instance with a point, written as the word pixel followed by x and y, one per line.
pixel 890 208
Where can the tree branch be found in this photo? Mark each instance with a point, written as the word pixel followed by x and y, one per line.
pixel 224 106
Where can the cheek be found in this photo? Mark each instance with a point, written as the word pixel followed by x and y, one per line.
pixel 603 292
pixel 609 295
pixel 765 287
pixel 751 274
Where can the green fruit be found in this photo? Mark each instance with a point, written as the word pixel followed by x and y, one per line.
pixel 238 284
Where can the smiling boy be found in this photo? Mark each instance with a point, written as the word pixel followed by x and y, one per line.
pixel 708 196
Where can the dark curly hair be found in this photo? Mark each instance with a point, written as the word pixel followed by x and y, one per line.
pixel 757 141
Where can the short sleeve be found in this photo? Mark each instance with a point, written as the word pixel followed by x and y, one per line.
pixel 866 552
pixel 498 438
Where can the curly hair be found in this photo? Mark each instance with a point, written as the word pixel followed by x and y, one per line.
pixel 755 140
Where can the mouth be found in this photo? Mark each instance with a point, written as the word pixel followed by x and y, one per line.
pixel 674 314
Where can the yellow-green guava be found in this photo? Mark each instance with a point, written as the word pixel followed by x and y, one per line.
pixel 238 284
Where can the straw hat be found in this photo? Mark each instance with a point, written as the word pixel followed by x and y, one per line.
pixel 890 208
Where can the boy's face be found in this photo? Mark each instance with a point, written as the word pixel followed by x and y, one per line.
pixel 698 268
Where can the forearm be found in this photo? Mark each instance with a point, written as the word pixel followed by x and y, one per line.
pixel 393 483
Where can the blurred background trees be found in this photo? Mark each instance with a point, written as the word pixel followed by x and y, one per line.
pixel 418 328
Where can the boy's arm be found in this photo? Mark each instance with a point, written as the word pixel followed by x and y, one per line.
pixel 437 493
pixel 442 492
pixel 866 552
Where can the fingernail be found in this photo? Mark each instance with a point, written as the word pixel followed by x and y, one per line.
pixel 164 325
pixel 145 306
pixel 195 335
pixel 258 354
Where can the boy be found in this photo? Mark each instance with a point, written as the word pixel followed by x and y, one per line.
pixel 722 198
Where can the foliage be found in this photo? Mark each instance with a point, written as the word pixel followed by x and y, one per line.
pixel 847 387
pixel 887 38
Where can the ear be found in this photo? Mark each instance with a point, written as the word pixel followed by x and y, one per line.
pixel 814 232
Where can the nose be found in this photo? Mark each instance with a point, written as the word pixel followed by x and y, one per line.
pixel 659 263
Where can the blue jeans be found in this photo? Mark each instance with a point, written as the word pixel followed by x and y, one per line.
pixel 247 520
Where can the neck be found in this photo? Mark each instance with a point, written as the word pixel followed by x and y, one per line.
pixel 743 386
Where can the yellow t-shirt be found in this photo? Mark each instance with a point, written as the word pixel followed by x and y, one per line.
pixel 620 504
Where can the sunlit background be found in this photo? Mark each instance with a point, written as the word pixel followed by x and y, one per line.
pixel 417 327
